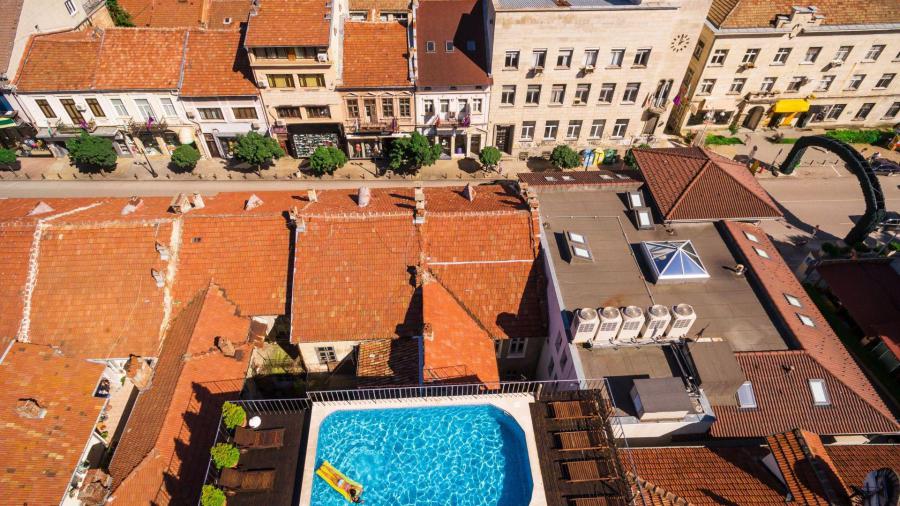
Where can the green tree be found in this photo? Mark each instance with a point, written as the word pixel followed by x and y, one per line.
pixel 212 496
pixel 489 157
pixel 233 415
pixel 225 455
pixel 413 152
pixel 257 150
pixel 7 157
pixel 564 157
pixel 185 157
pixel 326 160
pixel 120 16
pixel 90 153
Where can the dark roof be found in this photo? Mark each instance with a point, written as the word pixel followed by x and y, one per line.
pixel 717 368
pixel 660 395
pixel 460 21
pixel 9 24
pixel 761 13
pixel 694 184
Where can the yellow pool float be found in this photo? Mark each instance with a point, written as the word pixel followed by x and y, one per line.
pixel 339 481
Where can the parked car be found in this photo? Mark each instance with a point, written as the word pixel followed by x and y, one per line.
pixel 885 167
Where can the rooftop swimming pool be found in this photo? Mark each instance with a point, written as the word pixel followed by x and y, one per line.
pixel 453 455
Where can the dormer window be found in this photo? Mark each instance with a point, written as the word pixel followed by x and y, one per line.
pixel 429 46
pixel 226 21
pixel 819 392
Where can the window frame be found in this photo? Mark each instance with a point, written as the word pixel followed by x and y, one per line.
pixel 624 126
pixel 511 55
pixel 616 57
pixel 642 57
pixel 273 80
pixel 533 91
pixel 582 94
pixel 597 127
pixel 95 107
pixel 166 100
pixel 242 115
pixel 706 86
pixel 746 397
pixel 527 125
pixel 548 126
pixel 816 51
pixel 310 114
pixel 290 109
pixel 576 124
pixel 602 96
pixel 717 53
pixel 123 112
pixel 513 342
pixel 508 95
pixel 820 396
pixel 564 58
pixel 633 89
pixel 781 56
pixel 211 113
pixel 557 94
pixel 141 110
pixel 740 82
pixel 888 77
pixel 877 49
pixel 750 56
pixel 326 352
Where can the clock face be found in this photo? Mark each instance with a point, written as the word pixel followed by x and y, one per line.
pixel 680 42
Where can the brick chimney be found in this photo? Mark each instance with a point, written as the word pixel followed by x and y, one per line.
pixel 469 192
pixel 364 196
pixel 163 251
pixel 419 217
pixel 225 346
pixel 134 203
pixel 197 201
pixel 311 195
pixel 30 409
pixel 139 372
pixel 158 277
pixel 180 204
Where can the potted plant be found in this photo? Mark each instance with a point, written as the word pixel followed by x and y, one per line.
pixel 326 160
pixel 7 158
pixel 564 157
pixel 225 455
pixel 233 415
pixel 212 496
pixel 185 157
pixel 489 157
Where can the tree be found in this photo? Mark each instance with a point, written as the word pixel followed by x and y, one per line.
pixel 7 157
pixel 212 496
pixel 326 160
pixel 489 157
pixel 564 157
pixel 91 153
pixel 120 16
pixel 257 150
pixel 413 152
pixel 185 157
pixel 233 415
pixel 225 455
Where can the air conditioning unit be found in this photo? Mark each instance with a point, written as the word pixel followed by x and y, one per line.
pixel 610 323
pixel 836 63
pixel 588 69
pixel 322 57
pixel 584 325
pixel 632 321
pixel 658 318
pixel 683 317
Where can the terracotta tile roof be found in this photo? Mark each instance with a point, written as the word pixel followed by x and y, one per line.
pixel 216 65
pixel 166 13
pixel 175 419
pixel 58 63
pixel 807 468
pixel 696 184
pixel 458 349
pixel 780 382
pixel 379 5
pixel 13 275
pixel 220 10
pixel 854 462
pixel 460 21
pixel 307 26
pixel 9 23
pixel 140 59
pixel 41 455
pixel 776 279
pixel 761 13
pixel 375 55
pixel 707 475
pixel 389 362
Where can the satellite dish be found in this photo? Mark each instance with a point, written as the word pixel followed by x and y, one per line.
pixel 881 488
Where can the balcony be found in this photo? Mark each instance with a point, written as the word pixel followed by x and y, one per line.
pixel 657 105
pixel 449 119
pixel 365 125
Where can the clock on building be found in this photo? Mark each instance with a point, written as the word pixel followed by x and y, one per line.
pixel 680 42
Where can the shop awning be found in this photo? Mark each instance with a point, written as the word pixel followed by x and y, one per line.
pixel 7 122
pixel 791 105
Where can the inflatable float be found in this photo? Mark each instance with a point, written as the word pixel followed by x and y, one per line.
pixel 339 482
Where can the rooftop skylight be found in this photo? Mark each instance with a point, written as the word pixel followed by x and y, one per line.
pixel 674 260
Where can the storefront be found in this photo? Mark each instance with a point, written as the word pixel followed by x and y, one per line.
pixel 13 133
pixel 455 142
pixel 302 139
pixel 52 141
pixel 786 111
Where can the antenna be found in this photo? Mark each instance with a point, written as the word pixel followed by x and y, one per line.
pixel 881 488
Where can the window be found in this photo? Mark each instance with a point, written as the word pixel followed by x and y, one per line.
pixel 96 110
pixel 718 57
pixel 812 54
pixel 244 112
pixel 288 111
pixel 842 53
pixel 311 80
pixel 706 86
pixel 428 107
pixel 806 320
pixel 835 111
pixel 781 56
pixel 272 53
pixel 573 131
pixel 476 105
pixel 698 51
pixel 885 81
pixel 746 398
pixel 119 106
pixel 607 91
pixel 767 84
pixel 564 58
pixel 326 354
pixel 597 127
pixel 620 128
pixel 516 347
pixel 508 95
pixel 527 131
pixel 550 365
pixel 616 56
pixel 359 15
pixel 855 81
pixel 168 107
pixel 751 237
pixel 737 85
pixel 892 110
pixel 470 45
pixel 631 93
pixel 590 57
pixel 874 52
pixel 401 17
pixel 642 57
pixel 145 108
pixel 819 392
pixel 445 106
pixel 448 46
pixel 750 56
pixel 533 94
pixel 796 83
pixel 538 58
pixel 429 46
pixel 864 111
pixel 550 129
pixel 387 107
pixel 582 91
pixel 794 301
pixel 352 108
pixel 73 112
pixel 825 83
pixel 318 111
pixel 210 113
pixel 405 107
pixel 70 7
pixel 557 94
pixel 512 60
pixel 281 80
pixel 761 252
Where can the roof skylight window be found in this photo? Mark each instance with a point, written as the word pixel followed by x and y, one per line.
pixel 674 260
pixel 745 395
pixel 549 178
pixel 761 252
pixel 794 301
pixel 806 320
pixel 574 237
pixel 578 248
pixel 605 177
pixel 751 237
pixel 581 252
pixel 819 392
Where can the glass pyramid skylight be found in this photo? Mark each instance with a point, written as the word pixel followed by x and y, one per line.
pixel 674 260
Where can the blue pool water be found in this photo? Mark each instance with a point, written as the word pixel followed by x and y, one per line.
pixel 458 455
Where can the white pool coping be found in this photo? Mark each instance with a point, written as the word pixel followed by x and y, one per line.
pixel 516 405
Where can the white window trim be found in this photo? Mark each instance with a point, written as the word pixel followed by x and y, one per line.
pixel 826 401
pixel 747 388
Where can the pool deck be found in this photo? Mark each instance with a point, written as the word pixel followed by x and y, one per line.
pixel 516 405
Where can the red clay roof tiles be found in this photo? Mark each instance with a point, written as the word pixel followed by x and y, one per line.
pixel 220 10
pixel 165 13
pixel 459 21
pixel 375 55
pixel 761 13
pixel 289 23
pixel 58 63
pixel 13 275
pixel 140 59
pixel 389 362
pixel 216 65
pixel 9 24
pixel 807 469
pixel 41 455
pixel 854 462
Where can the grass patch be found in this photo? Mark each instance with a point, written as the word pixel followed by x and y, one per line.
pixel 721 140
pixel 873 137
pixel 850 336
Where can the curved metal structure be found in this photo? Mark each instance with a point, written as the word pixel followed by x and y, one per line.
pixel 868 181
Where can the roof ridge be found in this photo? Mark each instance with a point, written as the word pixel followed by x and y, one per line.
pixel 741 183
pixel 689 186
pixel 96 64
pixel 459 303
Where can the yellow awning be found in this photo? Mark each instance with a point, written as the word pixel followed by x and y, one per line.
pixel 791 105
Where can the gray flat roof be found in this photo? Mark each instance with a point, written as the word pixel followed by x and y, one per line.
pixel 726 305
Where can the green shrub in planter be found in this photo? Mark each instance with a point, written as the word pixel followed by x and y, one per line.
pixel 212 496
pixel 7 157
pixel 564 157
pixel 91 153
pixel 721 140
pixel 185 157
pixel 225 455
pixel 326 160
pixel 233 415
pixel 489 157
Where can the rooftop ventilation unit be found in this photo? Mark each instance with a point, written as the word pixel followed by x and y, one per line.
pixel 610 323
pixel 632 321
pixel 673 261
pixel 584 325
pixel 683 317
pixel 658 318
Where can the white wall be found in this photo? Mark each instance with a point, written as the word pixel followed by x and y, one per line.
pixel 453 96
pixel 112 118
pixel 42 16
